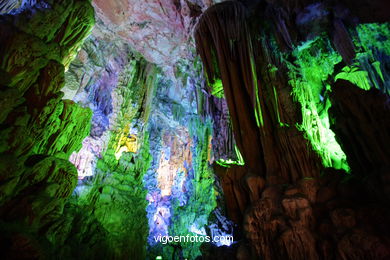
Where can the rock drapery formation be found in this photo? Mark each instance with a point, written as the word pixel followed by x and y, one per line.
pixel 131 126
pixel 260 152
pixel 38 127
pixel 124 120
pixel 289 205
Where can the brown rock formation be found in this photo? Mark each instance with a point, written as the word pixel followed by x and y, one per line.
pixel 287 204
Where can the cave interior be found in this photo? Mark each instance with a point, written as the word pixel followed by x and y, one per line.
pixel 124 121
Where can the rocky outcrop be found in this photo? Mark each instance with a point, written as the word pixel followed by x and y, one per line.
pixel 38 127
pixel 279 115
pixel 288 204
pixel 286 224
pixel 133 101
pixel 110 198
pixel 18 6
pixel 368 156
pixel 250 99
pixel 159 30
pixel 180 180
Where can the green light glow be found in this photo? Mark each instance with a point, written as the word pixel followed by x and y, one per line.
pixel 315 61
pixel 258 112
pixel 276 105
pixel 217 89
pixel 372 47
pixel 118 189
pixel 227 163
pixel 201 197
pixel 281 124
pixel 239 156
pixel 355 76
pixel 373 36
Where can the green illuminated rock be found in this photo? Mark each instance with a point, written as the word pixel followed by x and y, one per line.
pixel 315 61
pixel 39 130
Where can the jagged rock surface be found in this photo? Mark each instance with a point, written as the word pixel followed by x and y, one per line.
pixel 151 129
pixel 38 127
pixel 288 205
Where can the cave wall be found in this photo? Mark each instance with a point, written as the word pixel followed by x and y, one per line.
pixel 137 148
pixel 108 139
pixel 38 127
pixel 307 184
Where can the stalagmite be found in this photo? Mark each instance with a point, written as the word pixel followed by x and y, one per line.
pixel 194 129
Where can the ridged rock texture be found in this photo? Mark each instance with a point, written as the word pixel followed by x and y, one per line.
pixel 39 130
pixel 148 151
pixel 293 71
pixel 124 120
pixel 145 132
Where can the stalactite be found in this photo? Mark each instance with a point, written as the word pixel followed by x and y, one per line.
pixel 314 63
pixel 291 95
pixel 222 41
pixel 286 214
pixel 239 71
pixel 223 140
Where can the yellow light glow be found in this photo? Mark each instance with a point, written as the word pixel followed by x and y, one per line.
pixel 126 144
